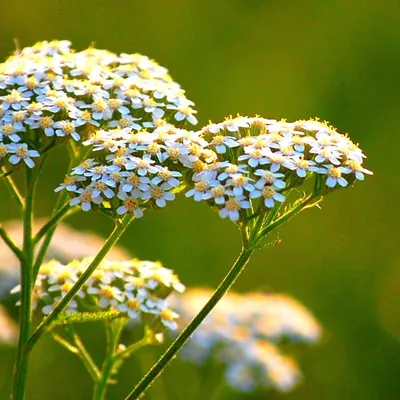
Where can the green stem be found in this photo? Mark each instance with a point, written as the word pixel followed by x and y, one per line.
pixel 83 354
pixel 305 203
pixel 21 362
pixel 48 237
pixel 10 243
pixel 53 221
pixel 112 239
pixel 14 191
pixel 113 333
pixel 180 341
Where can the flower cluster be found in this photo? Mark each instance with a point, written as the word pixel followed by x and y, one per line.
pixel 243 332
pixel 260 160
pixel 49 93
pixel 133 171
pixel 66 245
pixel 137 289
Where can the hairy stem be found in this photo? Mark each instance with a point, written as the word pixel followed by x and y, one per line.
pixel 113 333
pixel 180 341
pixel 21 362
pixel 112 239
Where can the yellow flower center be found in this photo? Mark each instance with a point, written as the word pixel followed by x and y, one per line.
pixel 115 103
pixel 232 169
pixel 156 193
pixel 153 148
pixel 131 204
pixel 201 186
pixel 239 181
pixel 107 291
pixel 86 197
pixel 99 105
pixel 218 140
pixel 3 150
pixel 232 204
pixel 46 122
pixel 8 129
pixel 174 153
pixel 165 174
pixel 133 304
pixel 198 166
pixel 303 164
pixel 335 172
pixel 218 191
pixel 21 152
pixel 67 127
pixel 18 116
pixel 167 315
pixel 268 192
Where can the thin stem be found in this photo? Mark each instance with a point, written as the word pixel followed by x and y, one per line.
pixel 48 237
pixel 62 198
pixel 112 239
pixel 52 222
pixel 10 243
pixel 83 354
pixel 180 341
pixel 306 203
pixel 14 191
pixel 113 333
pixel 21 362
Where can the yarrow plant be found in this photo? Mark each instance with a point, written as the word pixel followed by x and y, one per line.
pixel 128 130
pixel 244 333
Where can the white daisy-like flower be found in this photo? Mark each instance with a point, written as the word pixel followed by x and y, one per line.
pixel 67 128
pixel 269 178
pixel 335 175
pixel 159 195
pixel 85 199
pixel 70 183
pixel 221 143
pixel 233 206
pixel 269 194
pixel 20 152
pixel 130 205
pixel 240 182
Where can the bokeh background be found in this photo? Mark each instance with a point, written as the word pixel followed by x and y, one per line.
pixel 336 60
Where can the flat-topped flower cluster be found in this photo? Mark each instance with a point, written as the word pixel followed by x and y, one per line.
pixel 137 289
pixel 244 332
pixel 238 165
pixel 50 93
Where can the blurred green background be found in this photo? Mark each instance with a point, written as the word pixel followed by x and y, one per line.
pixel 337 60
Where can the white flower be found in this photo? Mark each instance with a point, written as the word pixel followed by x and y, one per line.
pixel 240 183
pixel 67 128
pixel 21 152
pixel 109 296
pixel 159 195
pixel 222 142
pixel 130 205
pixel 85 199
pixel 335 175
pixel 269 194
pixel 9 131
pixel 200 191
pixel 100 187
pixel 233 206
pixel 169 178
pixel 70 183
pixel 14 100
pixel 134 183
pixel 269 178
pixel 358 169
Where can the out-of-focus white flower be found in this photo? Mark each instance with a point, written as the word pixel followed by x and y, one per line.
pixel 243 332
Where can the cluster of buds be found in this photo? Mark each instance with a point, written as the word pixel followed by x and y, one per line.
pixel 243 333
pixel 49 93
pixel 136 289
